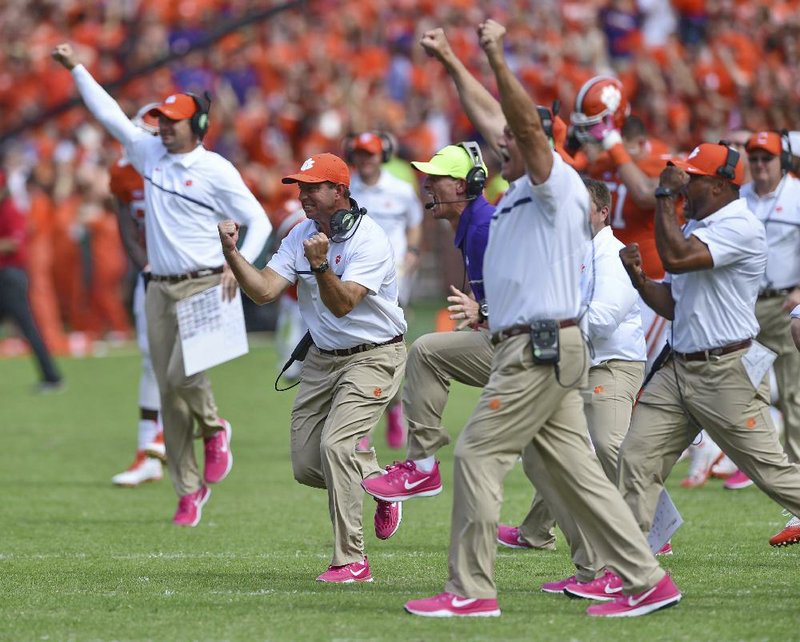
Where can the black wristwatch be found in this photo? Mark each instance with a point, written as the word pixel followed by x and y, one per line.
pixel 664 192
pixel 321 268
pixel 483 312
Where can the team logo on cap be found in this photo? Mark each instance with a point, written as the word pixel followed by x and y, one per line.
pixel 307 165
pixel 695 152
pixel 170 100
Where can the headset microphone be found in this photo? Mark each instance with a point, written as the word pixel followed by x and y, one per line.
pixel 430 206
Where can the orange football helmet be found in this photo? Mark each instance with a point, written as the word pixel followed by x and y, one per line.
pixel 599 98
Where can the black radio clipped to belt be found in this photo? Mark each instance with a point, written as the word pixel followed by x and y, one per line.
pixel 544 341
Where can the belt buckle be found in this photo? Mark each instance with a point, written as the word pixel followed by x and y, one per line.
pixel 205 272
pixel 714 354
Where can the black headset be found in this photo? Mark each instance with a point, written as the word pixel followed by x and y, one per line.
pixel 342 221
pixel 728 170
pixel 387 146
pixel 476 176
pixel 199 121
pixel 786 151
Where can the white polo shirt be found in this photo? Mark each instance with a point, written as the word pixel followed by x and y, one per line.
pixel 537 241
pixel 391 203
pixel 716 307
pixel 614 319
pixel 364 258
pixel 779 211
pixel 186 195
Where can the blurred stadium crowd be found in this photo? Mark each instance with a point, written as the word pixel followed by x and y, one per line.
pixel 299 80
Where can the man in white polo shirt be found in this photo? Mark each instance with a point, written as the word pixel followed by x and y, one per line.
pixel 347 290
pixel 615 377
pixel 537 241
pixel 187 191
pixel 717 375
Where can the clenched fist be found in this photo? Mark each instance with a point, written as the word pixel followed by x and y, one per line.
pixel 491 35
pixel 64 55
pixel 316 249
pixel 228 235
pixel 435 44
pixel 632 262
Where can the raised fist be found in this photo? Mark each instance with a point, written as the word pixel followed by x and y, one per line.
pixel 228 235
pixel 64 55
pixel 490 34
pixel 435 43
pixel 632 262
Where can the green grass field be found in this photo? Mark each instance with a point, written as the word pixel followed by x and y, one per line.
pixel 82 560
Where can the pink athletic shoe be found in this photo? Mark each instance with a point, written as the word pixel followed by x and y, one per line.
pixel 661 596
pixel 395 426
pixel 219 459
pixel 789 535
pixel 450 605
pixel 403 480
pixel 509 536
pixel 347 573
pixel 558 586
pixel 737 481
pixel 604 589
pixel 190 507
pixel 388 516
pixel 666 549
pixel 703 457
pixel 362 446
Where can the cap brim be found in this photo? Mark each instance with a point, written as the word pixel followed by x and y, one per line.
pixel 164 110
pixel 301 178
pixel 689 168
pixel 429 168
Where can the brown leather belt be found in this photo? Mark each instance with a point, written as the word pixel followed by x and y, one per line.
pixel 347 352
pixel 771 293
pixel 707 355
pixel 177 278
pixel 522 328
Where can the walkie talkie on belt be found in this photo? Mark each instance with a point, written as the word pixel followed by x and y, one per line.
pixel 298 354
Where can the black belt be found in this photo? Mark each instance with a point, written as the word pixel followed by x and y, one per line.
pixel 177 278
pixel 522 328
pixel 346 352
pixel 771 293
pixel 707 355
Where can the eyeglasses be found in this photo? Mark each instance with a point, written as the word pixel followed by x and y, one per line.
pixel 760 159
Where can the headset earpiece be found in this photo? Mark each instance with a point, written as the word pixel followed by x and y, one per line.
pixel 342 221
pixel 199 121
pixel 387 147
pixel 728 170
pixel 476 176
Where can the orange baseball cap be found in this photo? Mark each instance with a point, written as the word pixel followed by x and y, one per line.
pixel 709 159
pixel 319 169
pixel 770 142
pixel 368 142
pixel 175 107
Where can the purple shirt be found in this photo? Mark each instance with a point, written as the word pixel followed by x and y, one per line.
pixel 472 235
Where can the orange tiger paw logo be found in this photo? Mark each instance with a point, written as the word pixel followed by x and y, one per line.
pixel 494 404
pixel 377 392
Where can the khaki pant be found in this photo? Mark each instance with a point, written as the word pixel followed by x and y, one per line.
pixel 719 397
pixel 435 360
pixel 525 404
pixel 183 399
pixel 608 403
pixel 776 335
pixel 339 400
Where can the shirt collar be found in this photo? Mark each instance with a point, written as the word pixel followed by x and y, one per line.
pixel 465 220
pixel 734 207
pixel 189 158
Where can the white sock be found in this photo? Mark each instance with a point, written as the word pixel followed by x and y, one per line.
pixel 148 429
pixel 425 465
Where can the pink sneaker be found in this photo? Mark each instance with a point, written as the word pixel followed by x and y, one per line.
pixel 661 596
pixel 395 426
pixel 558 587
pixel 362 446
pixel 509 536
pixel 347 573
pixel 190 507
pixel 666 549
pixel 737 481
pixel 403 480
pixel 450 605
pixel 703 457
pixel 604 589
pixel 219 459
pixel 388 516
